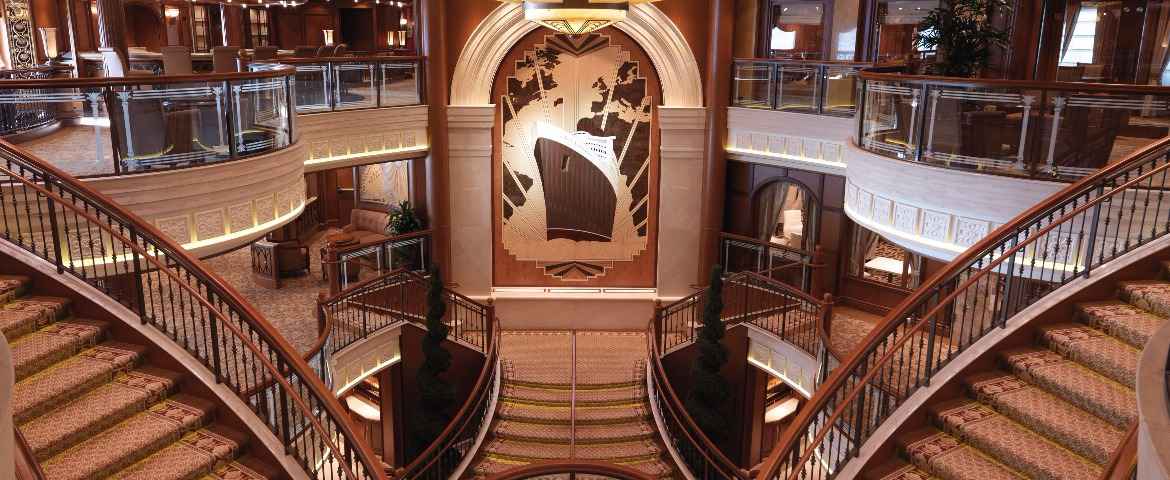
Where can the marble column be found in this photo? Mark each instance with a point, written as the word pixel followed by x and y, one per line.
pixel 469 131
pixel 684 133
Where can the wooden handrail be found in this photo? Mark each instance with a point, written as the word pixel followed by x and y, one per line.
pixel 694 434
pixel 587 467
pixel 830 63
pixel 355 58
pixel 226 293
pixel 1123 462
pixel 764 243
pixel 796 433
pixel 100 82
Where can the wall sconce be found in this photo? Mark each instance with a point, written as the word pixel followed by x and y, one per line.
pixel 390 39
pixel 49 42
pixel 171 12
pixel 328 36
pixel 402 38
pixel 93 9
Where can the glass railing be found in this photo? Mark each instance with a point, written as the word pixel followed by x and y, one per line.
pixel 121 126
pixel 20 115
pixel 823 88
pixel 350 83
pixel 1048 130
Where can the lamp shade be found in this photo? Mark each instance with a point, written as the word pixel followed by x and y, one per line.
pixel 575 17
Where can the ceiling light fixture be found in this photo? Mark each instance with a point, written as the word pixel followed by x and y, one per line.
pixel 575 17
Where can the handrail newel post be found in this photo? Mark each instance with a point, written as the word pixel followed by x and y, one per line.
pixel 215 353
pixel 285 437
pixel 1096 217
pixel 139 289
pixel 53 224
pixel 931 330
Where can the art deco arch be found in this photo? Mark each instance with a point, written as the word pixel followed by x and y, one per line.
pixel 646 24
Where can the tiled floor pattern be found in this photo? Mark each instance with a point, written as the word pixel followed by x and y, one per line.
pixel 1055 410
pixel 92 407
pixel 573 394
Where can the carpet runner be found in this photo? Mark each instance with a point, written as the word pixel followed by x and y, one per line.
pixel 541 416
pixel 92 407
pixel 1056 410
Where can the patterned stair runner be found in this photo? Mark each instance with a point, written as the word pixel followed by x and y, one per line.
pixel 1057 410
pixel 91 407
pixel 536 419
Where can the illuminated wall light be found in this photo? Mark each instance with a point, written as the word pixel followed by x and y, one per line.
pixel 171 12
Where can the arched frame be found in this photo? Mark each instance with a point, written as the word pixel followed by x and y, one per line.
pixel 664 43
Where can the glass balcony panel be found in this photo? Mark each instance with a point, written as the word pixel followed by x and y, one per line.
pixel 1086 131
pixel 354 86
pixel 399 84
pixel 81 144
pixel 797 88
pixel 261 115
pixel 841 91
pixel 977 128
pixel 312 87
pixel 753 84
pixel 170 125
pixel 891 113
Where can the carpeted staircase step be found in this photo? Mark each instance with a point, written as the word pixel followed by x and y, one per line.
pixel 71 378
pixel 244 468
pixel 25 315
pixel 129 441
pixel 547 432
pixel 1094 349
pixel 1151 295
pixel 947 458
pixel 1128 323
pixel 489 465
pixel 561 414
pixel 1011 443
pixel 1044 413
pixel 656 468
pixel 896 469
pixel 1074 383
pixel 526 451
pixel 532 393
pixel 13 286
pixel 619 452
pixel 54 343
pixel 128 394
pixel 194 455
pixel 617 432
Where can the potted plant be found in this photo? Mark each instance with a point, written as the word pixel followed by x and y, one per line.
pixel 403 220
pixel 963 36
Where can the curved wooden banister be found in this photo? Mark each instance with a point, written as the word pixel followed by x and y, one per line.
pixel 839 395
pixel 577 467
pixel 210 285
pixel 694 435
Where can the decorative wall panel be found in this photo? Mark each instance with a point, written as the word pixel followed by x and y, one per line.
pixel 576 171
pixel 385 184
pixel 21 46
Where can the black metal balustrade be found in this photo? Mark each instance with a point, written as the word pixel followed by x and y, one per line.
pixel 345 264
pixel 1047 130
pixel 27 115
pixel 1062 239
pixel 391 301
pixel 83 234
pixel 355 82
pixel 793 266
pixel 801 86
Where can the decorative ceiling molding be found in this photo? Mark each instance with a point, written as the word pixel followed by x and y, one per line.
pixel 678 70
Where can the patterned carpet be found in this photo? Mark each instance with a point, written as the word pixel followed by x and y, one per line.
pixel 1057 410
pixel 92 407
pixel 74 150
pixel 544 415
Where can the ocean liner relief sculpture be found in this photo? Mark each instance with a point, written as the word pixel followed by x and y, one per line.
pixel 576 157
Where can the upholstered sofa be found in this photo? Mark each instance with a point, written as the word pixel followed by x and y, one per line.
pixel 367 225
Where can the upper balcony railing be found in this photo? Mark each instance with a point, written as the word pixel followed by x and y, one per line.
pixel 823 88
pixel 1078 229
pixel 127 125
pixel 355 82
pixel 1045 130
pixel 23 116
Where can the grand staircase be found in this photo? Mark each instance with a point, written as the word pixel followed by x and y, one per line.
pixel 91 406
pixel 573 395
pixel 1057 409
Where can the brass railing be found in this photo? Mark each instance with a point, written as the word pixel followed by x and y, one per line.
pixel 83 234
pixel 1064 238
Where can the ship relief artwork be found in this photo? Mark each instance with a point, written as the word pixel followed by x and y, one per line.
pixel 576 163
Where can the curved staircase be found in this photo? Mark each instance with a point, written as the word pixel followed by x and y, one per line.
pixel 1057 409
pixel 573 395
pixel 90 406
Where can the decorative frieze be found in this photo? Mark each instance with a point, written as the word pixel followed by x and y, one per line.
pixel 882 213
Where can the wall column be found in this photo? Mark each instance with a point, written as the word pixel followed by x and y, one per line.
pixel 431 38
pixel 684 135
pixel 111 24
pixel 717 90
pixel 470 190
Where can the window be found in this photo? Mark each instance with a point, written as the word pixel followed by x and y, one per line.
pixel 877 259
pixel 258 26
pixel 1078 47
pixel 786 215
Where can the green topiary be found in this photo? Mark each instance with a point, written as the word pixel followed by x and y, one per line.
pixel 436 396
pixel 709 390
pixel 403 219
